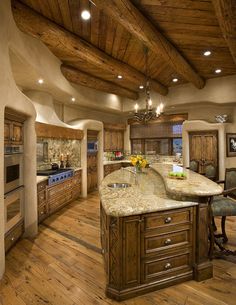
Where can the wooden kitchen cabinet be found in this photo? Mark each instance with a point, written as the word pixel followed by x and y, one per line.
pixel 145 252
pixel 53 198
pixel 13 235
pixel 13 132
pixel 113 140
pixel 114 137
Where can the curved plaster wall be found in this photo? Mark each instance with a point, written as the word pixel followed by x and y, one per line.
pixel 86 125
pixel 199 125
pixel 12 97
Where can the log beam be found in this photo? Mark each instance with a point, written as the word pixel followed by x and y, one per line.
pixel 80 78
pixel 66 45
pixel 124 12
pixel 226 15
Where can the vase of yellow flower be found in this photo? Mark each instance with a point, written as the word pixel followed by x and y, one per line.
pixel 139 162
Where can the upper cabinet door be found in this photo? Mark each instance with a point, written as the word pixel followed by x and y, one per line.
pixel 7 132
pixel 17 133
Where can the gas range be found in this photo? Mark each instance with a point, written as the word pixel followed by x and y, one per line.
pixel 56 176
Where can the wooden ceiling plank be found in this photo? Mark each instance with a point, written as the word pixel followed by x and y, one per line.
pixel 75 76
pixel 110 35
pixel 74 6
pixel 95 13
pixel 69 45
pixel 65 13
pixel 226 15
pixel 86 25
pixel 102 31
pixel 187 4
pixel 124 12
pixel 55 9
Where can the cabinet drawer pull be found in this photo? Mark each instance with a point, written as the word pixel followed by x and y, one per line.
pixel 167 266
pixel 41 212
pixel 168 219
pixel 167 241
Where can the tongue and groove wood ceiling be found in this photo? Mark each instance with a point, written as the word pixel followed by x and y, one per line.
pixel 112 44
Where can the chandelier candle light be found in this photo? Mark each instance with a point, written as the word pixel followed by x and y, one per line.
pixel 149 113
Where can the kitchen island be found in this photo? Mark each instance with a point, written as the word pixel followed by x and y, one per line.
pixel 154 232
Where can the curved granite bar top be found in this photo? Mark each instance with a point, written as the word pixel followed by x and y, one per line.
pixel 148 191
pixel 194 185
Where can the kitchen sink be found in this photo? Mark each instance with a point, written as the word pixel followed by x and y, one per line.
pixel 119 185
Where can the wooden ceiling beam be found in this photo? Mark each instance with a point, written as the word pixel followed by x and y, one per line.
pixel 67 45
pixel 124 12
pixel 226 15
pixel 80 78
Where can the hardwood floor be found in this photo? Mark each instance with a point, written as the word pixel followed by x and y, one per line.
pixel 63 266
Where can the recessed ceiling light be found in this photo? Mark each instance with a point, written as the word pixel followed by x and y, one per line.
pixel 85 14
pixel 207 53
pixel 40 81
pixel 174 80
pixel 73 99
pixel 120 76
pixel 141 87
pixel 218 71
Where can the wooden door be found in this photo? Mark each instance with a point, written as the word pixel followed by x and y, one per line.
pixel 92 176
pixel 204 149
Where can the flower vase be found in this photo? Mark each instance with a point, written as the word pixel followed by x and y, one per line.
pixel 138 169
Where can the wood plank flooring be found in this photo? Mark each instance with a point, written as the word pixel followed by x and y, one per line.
pixel 63 266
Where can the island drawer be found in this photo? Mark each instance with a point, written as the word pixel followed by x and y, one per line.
pixel 167 219
pixel 157 243
pixel 166 267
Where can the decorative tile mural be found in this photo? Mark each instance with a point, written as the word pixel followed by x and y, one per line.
pixel 53 150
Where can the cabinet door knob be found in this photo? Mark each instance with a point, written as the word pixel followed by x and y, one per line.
pixel 167 266
pixel 168 219
pixel 167 241
pixel 41 212
pixel 13 238
pixel 103 251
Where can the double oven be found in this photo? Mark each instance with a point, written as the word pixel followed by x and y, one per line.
pixel 13 185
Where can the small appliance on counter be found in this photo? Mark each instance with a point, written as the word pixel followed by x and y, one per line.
pixel 92 146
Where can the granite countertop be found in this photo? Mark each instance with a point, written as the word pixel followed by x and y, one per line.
pixel 147 194
pixel 194 185
pixel 44 178
pixel 115 162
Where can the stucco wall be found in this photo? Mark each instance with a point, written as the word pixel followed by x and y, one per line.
pixel 12 97
pixel 69 113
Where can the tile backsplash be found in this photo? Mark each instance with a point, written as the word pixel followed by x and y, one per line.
pixel 50 150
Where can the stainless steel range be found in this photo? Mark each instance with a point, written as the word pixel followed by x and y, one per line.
pixel 56 176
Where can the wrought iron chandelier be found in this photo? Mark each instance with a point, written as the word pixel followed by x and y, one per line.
pixel 149 113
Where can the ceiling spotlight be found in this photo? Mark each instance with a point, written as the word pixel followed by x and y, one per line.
pixel 85 14
pixel 40 81
pixel 73 99
pixel 174 80
pixel 141 87
pixel 120 76
pixel 207 53
pixel 218 71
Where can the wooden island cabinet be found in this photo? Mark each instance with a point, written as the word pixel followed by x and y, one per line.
pixel 150 238
pixel 53 198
